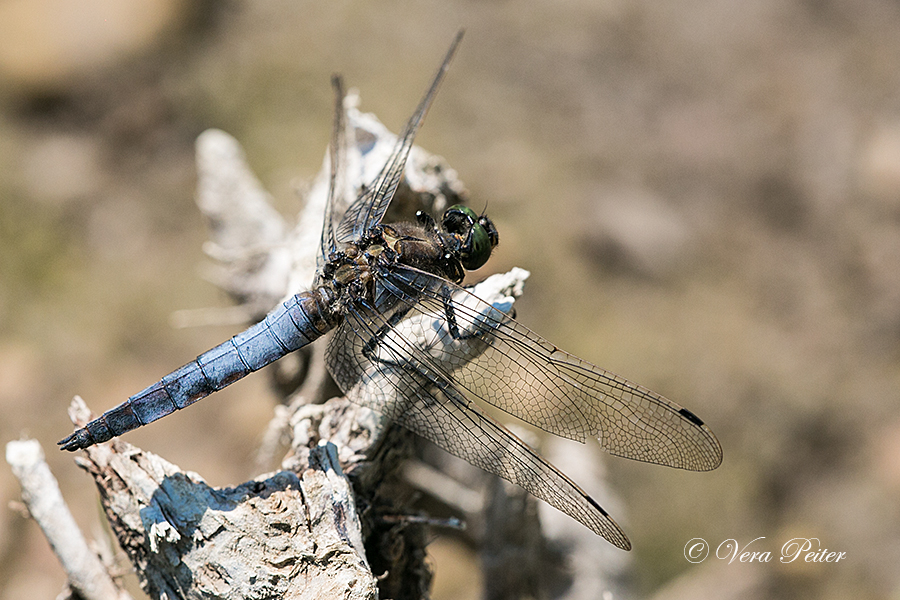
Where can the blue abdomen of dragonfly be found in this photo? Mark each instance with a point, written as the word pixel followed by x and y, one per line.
pixel 290 326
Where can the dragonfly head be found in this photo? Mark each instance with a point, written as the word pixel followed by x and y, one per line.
pixel 475 235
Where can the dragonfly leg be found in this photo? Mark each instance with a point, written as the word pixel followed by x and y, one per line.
pixel 480 327
pixel 369 350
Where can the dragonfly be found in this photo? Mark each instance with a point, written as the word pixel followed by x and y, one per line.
pixel 409 341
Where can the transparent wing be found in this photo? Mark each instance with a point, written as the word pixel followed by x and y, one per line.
pixel 371 205
pixel 486 353
pixel 337 176
pixel 405 387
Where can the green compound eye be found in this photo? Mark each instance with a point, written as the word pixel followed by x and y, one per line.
pixel 480 250
pixel 478 233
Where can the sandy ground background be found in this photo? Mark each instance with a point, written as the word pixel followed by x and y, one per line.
pixel 707 195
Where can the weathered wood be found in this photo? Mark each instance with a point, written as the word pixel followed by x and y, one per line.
pixel 88 576
pixel 282 535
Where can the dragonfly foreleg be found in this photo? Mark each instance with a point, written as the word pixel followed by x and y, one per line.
pixel 479 326
pixel 369 350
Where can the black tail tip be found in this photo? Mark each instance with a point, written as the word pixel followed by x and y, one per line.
pixel 79 440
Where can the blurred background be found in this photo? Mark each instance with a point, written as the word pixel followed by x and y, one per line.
pixel 707 195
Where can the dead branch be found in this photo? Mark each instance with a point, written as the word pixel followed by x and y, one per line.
pixel 87 574
pixel 282 535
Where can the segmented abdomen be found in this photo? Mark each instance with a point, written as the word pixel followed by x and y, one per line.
pixel 290 326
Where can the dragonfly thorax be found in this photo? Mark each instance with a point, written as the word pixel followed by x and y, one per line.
pixel 349 272
pixel 463 241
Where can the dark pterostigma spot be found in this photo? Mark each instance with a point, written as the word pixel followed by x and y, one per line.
pixel 690 416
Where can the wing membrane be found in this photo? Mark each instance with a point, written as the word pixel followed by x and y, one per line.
pixel 410 393
pixel 514 369
pixel 371 205
pixel 337 176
